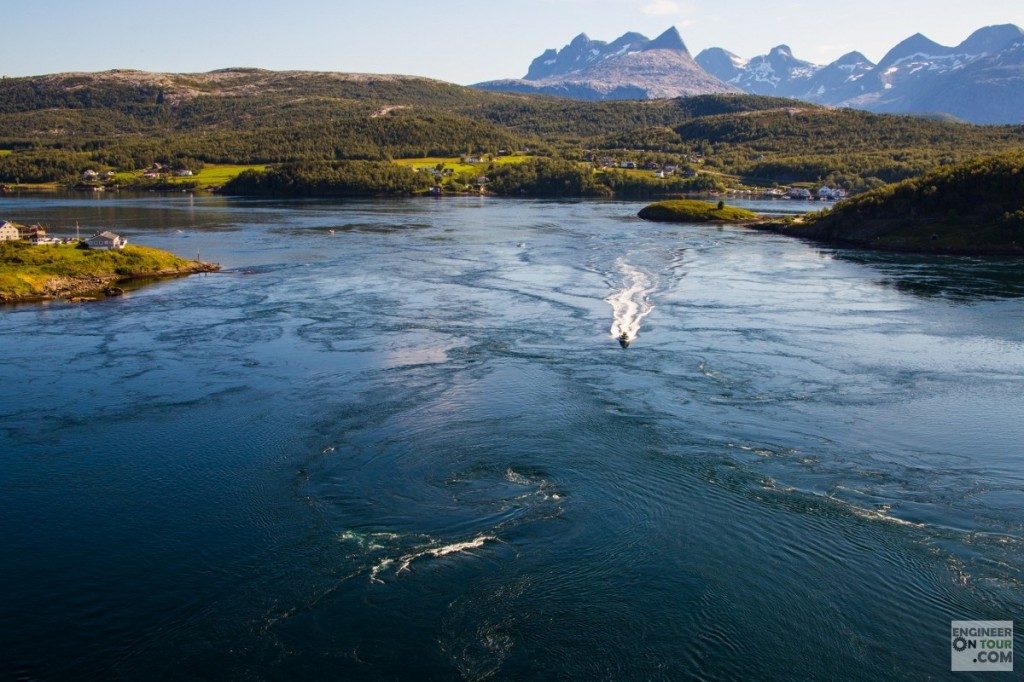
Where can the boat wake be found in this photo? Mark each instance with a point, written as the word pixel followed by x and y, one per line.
pixel 436 552
pixel 631 304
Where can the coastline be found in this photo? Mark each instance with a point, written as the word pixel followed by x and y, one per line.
pixel 807 232
pixel 98 287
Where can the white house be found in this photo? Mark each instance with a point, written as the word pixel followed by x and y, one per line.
pixel 106 241
pixel 799 193
pixel 90 175
pixel 8 232
pixel 831 193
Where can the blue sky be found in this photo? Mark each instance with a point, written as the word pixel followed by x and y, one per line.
pixel 458 40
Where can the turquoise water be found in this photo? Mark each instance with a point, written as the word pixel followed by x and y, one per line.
pixel 399 439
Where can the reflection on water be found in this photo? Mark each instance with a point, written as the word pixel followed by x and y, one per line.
pixel 959 278
pixel 393 439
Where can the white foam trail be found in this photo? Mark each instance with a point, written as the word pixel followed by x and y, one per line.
pixel 881 514
pixel 437 552
pixel 375 571
pixel 445 550
pixel 631 304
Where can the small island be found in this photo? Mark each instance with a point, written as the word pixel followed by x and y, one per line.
pixel 693 211
pixel 39 272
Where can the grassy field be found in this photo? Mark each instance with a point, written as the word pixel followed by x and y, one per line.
pixel 691 211
pixel 35 186
pixel 215 175
pixel 29 271
pixel 459 168
pixel 636 172
pixel 212 175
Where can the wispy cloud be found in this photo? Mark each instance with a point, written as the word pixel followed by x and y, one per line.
pixel 661 8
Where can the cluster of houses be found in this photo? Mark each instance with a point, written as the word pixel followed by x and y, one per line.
pixel 439 174
pixel 91 176
pixel 36 234
pixel 157 170
pixel 831 193
pixel 479 158
pixel 823 194
pixel 659 170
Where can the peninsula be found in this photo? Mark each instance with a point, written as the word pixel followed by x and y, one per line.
pixel 973 208
pixel 30 272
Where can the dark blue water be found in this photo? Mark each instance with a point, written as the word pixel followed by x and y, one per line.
pixel 399 439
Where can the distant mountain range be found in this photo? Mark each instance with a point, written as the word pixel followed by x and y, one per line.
pixel 981 80
pixel 631 67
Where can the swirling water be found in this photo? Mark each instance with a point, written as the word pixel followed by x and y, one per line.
pixel 399 439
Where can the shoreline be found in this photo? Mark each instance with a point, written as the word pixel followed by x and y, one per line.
pixel 98 287
pixel 787 230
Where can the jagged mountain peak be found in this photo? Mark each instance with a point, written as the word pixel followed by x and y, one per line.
pixel 631 67
pixel 980 80
pixel 628 42
pixel 669 40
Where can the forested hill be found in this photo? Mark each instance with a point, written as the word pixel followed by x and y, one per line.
pixel 59 125
pixel 975 207
pixel 126 103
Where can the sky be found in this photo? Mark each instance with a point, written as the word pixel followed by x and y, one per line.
pixel 461 41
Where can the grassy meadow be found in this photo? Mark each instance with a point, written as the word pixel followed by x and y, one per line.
pixel 460 168
pixel 27 269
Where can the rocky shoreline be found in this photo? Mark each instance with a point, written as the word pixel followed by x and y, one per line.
pixel 867 238
pixel 81 289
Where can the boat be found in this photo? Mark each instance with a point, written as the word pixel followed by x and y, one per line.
pixel 624 340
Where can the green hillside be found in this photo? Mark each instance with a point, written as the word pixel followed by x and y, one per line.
pixel 59 125
pixel 974 207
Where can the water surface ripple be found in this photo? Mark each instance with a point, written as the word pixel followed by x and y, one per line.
pixel 399 439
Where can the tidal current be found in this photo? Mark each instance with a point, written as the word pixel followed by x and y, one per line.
pixel 398 439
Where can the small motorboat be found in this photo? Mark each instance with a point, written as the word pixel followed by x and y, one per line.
pixel 624 340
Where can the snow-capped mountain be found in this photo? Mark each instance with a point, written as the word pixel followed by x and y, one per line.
pixel 843 72
pixel 776 73
pixel 780 74
pixel 722 64
pixel 630 67
pixel 980 80
pixel 921 76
